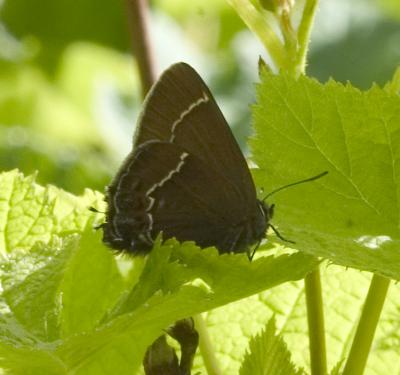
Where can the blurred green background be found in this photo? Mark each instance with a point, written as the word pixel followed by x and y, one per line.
pixel 69 90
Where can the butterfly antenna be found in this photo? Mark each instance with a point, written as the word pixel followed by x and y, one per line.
pixel 293 184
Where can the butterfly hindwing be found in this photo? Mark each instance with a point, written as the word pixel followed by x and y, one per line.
pixel 161 187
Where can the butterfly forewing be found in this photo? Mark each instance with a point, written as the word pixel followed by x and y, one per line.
pixel 181 109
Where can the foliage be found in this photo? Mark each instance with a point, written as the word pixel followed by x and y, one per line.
pixel 268 355
pixel 48 232
pixel 70 305
pixel 60 125
pixel 352 215
pixel 66 300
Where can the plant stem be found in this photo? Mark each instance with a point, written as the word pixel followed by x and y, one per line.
pixel 255 21
pixel 303 34
pixel 138 16
pixel 313 289
pixel 370 314
pixel 316 329
pixel 206 349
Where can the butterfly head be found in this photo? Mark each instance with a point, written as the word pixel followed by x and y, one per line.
pixel 261 221
pixel 267 210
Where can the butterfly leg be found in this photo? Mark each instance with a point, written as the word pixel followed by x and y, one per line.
pixel 251 254
pixel 279 235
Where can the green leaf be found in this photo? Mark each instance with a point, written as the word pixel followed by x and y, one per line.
pixel 28 361
pixel 215 279
pixel 92 274
pixel 30 283
pixel 268 355
pixel 69 301
pixel 336 370
pixel 58 302
pixel 351 216
pixel 30 213
pixel 232 326
pixel 54 292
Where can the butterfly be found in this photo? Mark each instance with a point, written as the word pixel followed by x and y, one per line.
pixel 185 176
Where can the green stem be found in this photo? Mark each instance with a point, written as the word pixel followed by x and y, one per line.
pixel 290 38
pixel 316 329
pixel 370 314
pixel 207 352
pixel 256 22
pixel 303 34
pixel 313 289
